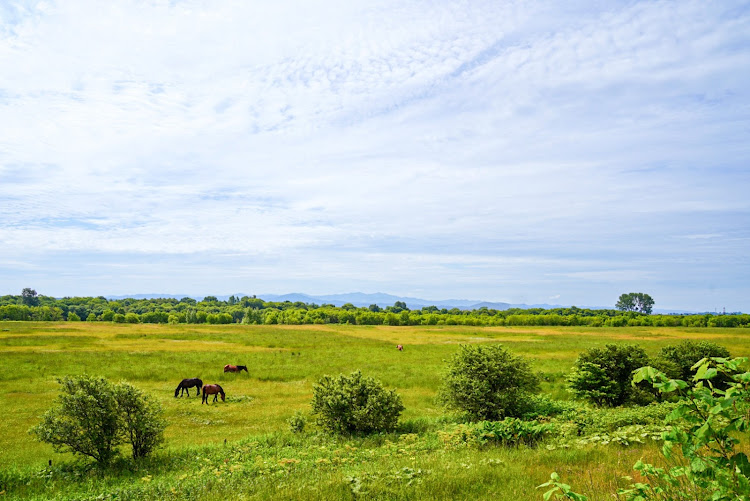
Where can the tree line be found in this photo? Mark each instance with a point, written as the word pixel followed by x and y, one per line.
pixel 30 306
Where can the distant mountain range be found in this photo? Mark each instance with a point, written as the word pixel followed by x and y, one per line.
pixel 381 299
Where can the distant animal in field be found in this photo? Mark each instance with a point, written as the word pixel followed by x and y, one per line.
pixel 235 368
pixel 212 389
pixel 400 347
pixel 186 384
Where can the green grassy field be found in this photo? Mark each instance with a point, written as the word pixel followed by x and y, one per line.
pixel 283 363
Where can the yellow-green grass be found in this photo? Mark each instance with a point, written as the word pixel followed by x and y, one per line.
pixel 283 363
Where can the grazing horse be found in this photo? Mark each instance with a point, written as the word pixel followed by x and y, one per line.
pixel 212 389
pixel 186 384
pixel 400 347
pixel 235 368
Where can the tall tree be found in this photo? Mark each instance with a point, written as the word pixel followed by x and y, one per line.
pixel 29 297
pixel 635 301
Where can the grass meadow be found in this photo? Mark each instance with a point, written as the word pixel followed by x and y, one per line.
pixel 243 449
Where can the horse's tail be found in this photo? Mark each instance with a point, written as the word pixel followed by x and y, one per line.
pixel 200 383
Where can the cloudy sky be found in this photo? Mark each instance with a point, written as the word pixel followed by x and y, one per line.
pixel 530 151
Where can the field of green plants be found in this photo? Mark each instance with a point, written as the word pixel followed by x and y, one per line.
pixel 243 448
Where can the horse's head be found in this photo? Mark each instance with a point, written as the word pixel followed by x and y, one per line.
pixel 241 368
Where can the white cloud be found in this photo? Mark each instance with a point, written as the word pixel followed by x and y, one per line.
pixel 561 139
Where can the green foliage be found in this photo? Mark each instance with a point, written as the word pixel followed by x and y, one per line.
pixel 85 420
pixel 252 310
pixel 711 420
pixel 29 297
pixel 705 445
pixel 354 403
pixel 297 422
pixel 590 421
pixel 512 432
pixel 140 419
pixel 602 375
pixel 488 383
pixel 93 416
pixel 560 489
pixel 635 301
pixel 685 355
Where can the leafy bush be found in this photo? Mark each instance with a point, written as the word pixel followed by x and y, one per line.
pixel 354 403
pixel 603 375
pixel 685 355
pixel 140 419
pixel 488 383
pixel 93 416
pixel 297 422
pixel 85 421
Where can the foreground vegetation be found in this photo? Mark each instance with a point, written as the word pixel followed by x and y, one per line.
pixel 244 449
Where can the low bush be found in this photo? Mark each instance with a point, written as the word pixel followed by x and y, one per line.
pixel 93 416
pixel 603 375
pixel 354 403
pixel 679 359
pixel 488 383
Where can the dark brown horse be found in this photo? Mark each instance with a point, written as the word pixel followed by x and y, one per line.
pixel 212 389
pixel 235 368
pixel 186 384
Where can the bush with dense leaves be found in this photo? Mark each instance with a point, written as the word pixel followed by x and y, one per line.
pixel 354 403
pixel 141 419
pixel 93 416
pixel 488 383
pixel 603 375
pixel 682 357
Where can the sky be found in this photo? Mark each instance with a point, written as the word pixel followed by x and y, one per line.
pixel 518 151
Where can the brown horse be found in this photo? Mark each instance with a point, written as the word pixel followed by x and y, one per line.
pixel 212 389
pixel 235 368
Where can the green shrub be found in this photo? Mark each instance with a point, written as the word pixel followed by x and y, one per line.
pixel 85 420
pixel 677 360
pixel 603 375
pixel 488 383
pixel 140 419
pixel 297 422
pixel 93 416
pixel 354 403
